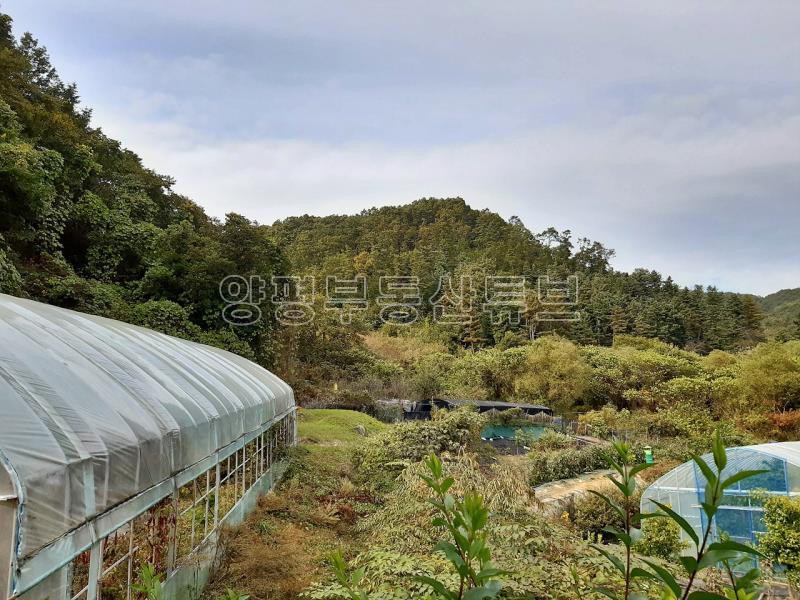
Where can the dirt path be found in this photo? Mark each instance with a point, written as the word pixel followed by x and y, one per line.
pixel 555 494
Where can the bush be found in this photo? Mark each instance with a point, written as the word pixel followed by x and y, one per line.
pixel 382 457
pixel 554 372
pixel 661 538
pixel 591 514
pixel 553 440
pixel 350 400
pixel 787 424
pixel 624 375
pixel 781 542
pixel 512 417
pixel 770 376
pixel 603 422
pixel 565 463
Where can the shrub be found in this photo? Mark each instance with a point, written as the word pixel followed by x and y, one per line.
pixel 553 440
pixel 661 538
pixel 350 400
pixel 770 376
pixel 624 375
pixel 787 424
pixel 384 456
pixel 590 514
pixel 781 542
pixel 602 422
pixel 565 463
pixel 508 418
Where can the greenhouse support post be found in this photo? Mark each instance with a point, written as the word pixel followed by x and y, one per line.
pixel 95 564
pixel 8 527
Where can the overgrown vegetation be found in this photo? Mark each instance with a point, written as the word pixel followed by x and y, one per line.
pixel 563 463
pixel 383 536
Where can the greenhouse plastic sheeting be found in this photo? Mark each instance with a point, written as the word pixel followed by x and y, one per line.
pixel 740 515
pixel 94 411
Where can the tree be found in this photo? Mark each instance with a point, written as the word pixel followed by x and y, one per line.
pixel 553 372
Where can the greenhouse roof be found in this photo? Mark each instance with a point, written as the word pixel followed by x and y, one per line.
pixel 781 460
pixel 788 451
pixel 94 411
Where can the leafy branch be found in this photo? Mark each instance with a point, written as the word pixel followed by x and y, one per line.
pixel 465 521
pixel 725 553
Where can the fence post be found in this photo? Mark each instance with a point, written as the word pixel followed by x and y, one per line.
pixel 216 495
pixel 172 536
pixel 95 566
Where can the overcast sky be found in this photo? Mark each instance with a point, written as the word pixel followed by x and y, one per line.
pixel 668 131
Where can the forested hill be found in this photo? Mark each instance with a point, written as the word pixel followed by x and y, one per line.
pixel 430 238
pixel 83 224
pixel 782 314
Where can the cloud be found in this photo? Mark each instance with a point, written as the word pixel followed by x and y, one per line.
pixel 706 206
pixel 669 132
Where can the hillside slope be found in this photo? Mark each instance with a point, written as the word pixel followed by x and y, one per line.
pixel 781 314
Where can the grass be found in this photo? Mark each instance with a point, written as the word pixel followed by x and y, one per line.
pixel 333 426
pixel 283 545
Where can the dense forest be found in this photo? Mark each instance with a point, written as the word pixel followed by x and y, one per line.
pixel 432 238
pixel 84 225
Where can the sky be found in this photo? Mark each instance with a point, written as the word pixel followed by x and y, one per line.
pixel 668 131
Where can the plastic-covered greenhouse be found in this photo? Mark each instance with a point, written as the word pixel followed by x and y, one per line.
pixel 121 447
pixel 741 514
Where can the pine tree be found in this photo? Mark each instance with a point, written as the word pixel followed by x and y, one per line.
pixel 619 321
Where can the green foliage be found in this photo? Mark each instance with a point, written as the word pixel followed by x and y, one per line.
pixel 10 280
pixel 620 374
pixel 349 581
pixel 149 583
pixel 554 373
pixel 383 457
pixel 433 237
pixel 626 512
pixel 781 313
pixel 781 542
pixel 544 559
pixel 661 538
pixel 84 225
pixel 467 550
pixel 592 516
pixel 770 376
pixel 233 595
pixel 550 439
pixel 564 463
pixel 731 555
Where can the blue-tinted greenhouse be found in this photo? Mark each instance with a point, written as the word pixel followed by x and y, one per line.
pixel 741 516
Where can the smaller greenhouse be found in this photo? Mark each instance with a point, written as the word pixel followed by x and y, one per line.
pixel 741 515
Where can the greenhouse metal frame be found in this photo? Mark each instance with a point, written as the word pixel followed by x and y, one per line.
pixel 740 515
pixel 122 449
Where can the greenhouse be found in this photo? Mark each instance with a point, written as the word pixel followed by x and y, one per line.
pixel 123 449
pixel 741 514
